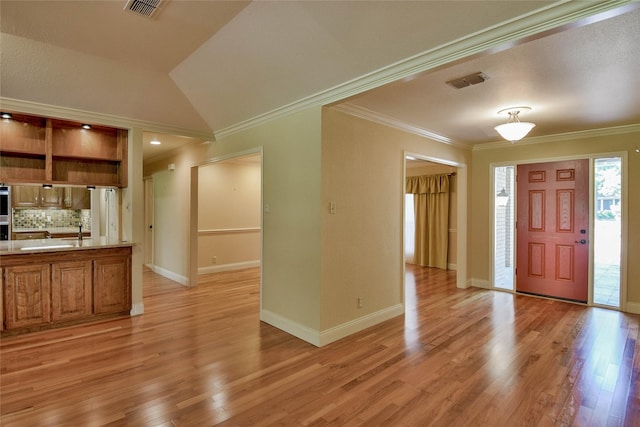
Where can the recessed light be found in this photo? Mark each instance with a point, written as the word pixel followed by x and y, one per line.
pixel 86 126
pixel 5 115
pixel 155 142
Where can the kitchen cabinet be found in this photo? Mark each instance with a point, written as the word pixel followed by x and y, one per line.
pixel 29 235
pixel 42 290
pixel 27 295
pixel 77 198
pixel 31 196
pixel 70 290
pixel 47 150
pixel 36 197
pixel 112 284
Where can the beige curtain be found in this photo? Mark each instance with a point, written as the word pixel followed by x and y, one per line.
pixel 431 207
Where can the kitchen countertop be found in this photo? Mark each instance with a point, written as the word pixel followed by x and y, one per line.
pixel 51 230
pixel 15 247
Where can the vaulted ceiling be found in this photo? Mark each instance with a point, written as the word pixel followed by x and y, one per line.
pixel 205 67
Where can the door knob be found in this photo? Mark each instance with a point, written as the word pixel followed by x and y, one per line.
pixel 582 242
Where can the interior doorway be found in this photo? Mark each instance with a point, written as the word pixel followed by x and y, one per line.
pixel 148 223
pixel 416 164
pixel 226 215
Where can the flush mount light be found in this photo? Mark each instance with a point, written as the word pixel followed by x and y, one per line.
pixel 47 186
pixel 5 115
pixel 514 130
pixel 155 142
pixel 86 126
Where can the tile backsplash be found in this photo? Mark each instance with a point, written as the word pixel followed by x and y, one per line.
pixel 47 218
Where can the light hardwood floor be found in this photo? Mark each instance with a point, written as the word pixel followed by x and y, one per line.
pixel 201 357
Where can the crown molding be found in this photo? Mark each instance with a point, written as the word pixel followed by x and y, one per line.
pixel 546 19
pixel 364 113
pixel 45 110
pixel 568 136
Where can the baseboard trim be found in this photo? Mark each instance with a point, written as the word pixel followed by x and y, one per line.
pixel 228 267
pixel 305 333
pixel 453 267
pixel 338 332
pixel 171 275
pixel 632 307
pixel 480 283
pixel 137 309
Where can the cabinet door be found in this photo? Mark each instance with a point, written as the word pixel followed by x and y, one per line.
pixel 52 197
pixel 70 290
pixel 27 295
pixel 1 299
pixel 25 196
pixel 79 198
pixel 111 284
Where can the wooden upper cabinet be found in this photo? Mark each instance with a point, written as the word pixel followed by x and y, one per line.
pixel 44 150
pixel 23 134
pixel 71 140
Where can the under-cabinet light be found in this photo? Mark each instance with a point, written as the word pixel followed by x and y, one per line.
pixel 86 126
pixel 6 115
pixel 91 187
pixel 47 186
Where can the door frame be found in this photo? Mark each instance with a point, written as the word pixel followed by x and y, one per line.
pixel 149 243
pixel 623 155
pixel 462 280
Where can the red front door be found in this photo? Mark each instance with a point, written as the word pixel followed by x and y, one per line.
pixel 552 227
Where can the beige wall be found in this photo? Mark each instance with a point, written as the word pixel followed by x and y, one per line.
pixel 362 172
pixel 434 169
pixel 291 226
pixel 229 214
pixel 479 256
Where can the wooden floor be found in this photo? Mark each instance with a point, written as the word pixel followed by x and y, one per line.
pixel 201 357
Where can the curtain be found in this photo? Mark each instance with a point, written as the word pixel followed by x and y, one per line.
pixel 431 208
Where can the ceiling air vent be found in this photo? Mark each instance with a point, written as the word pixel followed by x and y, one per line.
pixel 471 79
pixel 142 7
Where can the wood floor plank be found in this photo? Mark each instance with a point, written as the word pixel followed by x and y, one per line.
pixel 200 356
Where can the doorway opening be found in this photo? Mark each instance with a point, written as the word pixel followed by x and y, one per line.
pixel 607 231
pixel 457 236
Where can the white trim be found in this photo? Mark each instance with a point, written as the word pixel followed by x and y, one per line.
pixel 137 309
pixel 500 36
pixel 452 267
pixel 632 307
pixel 568 136
pixel 480 283
pixel 171 275
pixel 364 113
pixel 305 333
pixel 228 231
pixel 58 112
pixel 338 332
pixel 228 267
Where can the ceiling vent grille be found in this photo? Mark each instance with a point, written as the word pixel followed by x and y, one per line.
pixel 471 79
pixel 143 7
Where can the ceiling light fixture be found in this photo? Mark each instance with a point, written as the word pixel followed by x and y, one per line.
pixel 514 130
pixel 155 142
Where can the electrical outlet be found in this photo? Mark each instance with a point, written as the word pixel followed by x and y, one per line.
pixel 214 259
pixel 360 302
pixel 332 207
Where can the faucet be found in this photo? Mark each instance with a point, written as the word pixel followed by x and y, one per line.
pixel 80 232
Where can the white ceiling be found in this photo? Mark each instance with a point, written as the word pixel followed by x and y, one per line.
pixel 207 66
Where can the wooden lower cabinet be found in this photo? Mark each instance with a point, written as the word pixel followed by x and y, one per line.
pixel 27 295
pixel 70 290
pixel 111 284
pixel 41 291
